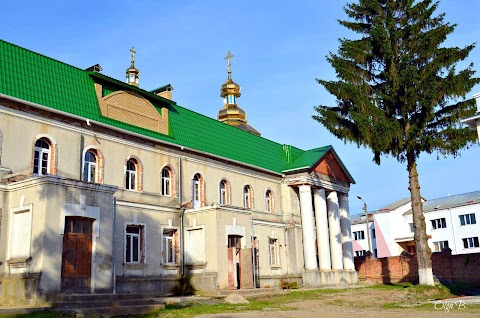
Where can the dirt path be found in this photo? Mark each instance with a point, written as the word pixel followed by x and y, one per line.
pixel 352 304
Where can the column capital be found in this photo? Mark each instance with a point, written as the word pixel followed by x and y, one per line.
pixel 332 195
pixel 305 188
pixel 319 191
pixel 343 197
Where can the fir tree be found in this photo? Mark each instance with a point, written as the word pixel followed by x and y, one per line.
pixel 399 92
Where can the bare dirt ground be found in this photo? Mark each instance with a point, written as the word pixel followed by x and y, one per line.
pixel 364 303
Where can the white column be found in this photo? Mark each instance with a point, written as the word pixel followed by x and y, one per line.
pixel 335 235
pixel 346 228
pixel 306 210
pixel 321 220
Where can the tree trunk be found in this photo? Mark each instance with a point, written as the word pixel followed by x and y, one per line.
pixel 425 274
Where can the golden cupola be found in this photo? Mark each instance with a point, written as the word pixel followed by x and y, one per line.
pixel 132 72
pixel 231 114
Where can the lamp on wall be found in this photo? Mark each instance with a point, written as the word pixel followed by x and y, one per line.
pixel 366 220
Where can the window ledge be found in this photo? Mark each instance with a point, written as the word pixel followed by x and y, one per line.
pixel 135 266
pixel 275 267
pixel 169 266
pixel 19 262
pixel 196 265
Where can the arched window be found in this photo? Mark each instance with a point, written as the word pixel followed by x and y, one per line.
pixel 198 191
pixel 90 167
pixel 131 175
pixel 269 201
pixel 41 158
pixel 224 192
pixel 166 182
pixel 247 197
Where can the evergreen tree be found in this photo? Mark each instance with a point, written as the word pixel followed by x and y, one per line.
pixel 398 92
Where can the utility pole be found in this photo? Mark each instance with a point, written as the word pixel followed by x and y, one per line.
pixel 366 222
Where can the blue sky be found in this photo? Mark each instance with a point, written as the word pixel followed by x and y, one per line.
pixel 279 49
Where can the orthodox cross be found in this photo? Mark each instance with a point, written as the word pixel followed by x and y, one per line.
pixel 228 57
pixel 133 55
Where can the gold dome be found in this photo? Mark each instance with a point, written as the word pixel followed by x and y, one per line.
pixel 230 88
pixel 231 114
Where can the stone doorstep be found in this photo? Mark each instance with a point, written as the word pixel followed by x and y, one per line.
pixel 251 292
pixel 111 311
pixel 100 302
pixel 106 306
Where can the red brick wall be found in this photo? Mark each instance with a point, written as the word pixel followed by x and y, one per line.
pixel 453 268
pixel 330 167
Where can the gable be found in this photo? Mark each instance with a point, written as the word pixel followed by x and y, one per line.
pixel 329 166
pixel 132 108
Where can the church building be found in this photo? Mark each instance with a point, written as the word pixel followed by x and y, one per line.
pixel 106 187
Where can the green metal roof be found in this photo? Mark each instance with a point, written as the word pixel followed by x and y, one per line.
pixel 310 157
pixel 42 80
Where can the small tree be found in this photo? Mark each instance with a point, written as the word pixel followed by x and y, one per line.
pixel 397 92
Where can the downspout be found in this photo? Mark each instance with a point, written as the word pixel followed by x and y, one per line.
pixel 284 230
pixel 253 255
pixel 182 213
pixel 453 231
pixel 82 144
pixel 114 243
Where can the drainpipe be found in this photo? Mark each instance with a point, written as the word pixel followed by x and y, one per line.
pixel 114 246
pixel 253 255
pixel 182 213
pixel 453 231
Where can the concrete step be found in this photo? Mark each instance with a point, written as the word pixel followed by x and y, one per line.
pixel 61 298
pixel 100 302
pixel 105 305
pixel 249 292
pixel 110 311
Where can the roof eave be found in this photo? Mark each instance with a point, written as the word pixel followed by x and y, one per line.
pixel 91 121
pixel 471 121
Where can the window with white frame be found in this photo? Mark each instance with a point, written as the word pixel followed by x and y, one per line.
pixel 166 182
pixel 466 219
pixel 224 199
pixel 131 175
pixel 274 251
pixel 412 228
pixel 470 242
pixel 269 201
pixel 358 235
pixel 90 167
pixel 41 158
pixel 439 223
pixel 359 253
pixel 169 246
pixel 439 246
pixel 247 197
pixel 198 195
pixel 134 243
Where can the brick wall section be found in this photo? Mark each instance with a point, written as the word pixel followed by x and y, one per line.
pixel 330 167
pixel 463 268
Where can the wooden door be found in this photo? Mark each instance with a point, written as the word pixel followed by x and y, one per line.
pixel 77 255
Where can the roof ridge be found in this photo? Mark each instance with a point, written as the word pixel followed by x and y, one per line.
pixel 233 127
pixel 42 55
pixel 451 196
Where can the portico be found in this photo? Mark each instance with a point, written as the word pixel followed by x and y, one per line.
pixel 324 211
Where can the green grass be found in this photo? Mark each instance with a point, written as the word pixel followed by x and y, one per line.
pixel 409 296
pixel 38 314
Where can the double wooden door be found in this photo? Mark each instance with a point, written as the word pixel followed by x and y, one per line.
pixel 77 255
